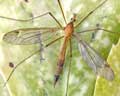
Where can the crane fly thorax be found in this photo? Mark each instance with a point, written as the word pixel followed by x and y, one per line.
pixel 69 29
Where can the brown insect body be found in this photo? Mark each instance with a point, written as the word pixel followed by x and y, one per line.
pixel 26 36
pixel 69 29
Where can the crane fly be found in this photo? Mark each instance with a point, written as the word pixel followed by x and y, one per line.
pixel 36 35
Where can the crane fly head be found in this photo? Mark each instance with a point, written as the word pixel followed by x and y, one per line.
pixel 73 19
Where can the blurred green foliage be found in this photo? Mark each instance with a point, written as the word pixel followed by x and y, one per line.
pixel 33 78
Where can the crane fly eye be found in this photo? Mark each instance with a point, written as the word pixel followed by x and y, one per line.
pixel 73 19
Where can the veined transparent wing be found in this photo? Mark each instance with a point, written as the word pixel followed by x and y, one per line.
pixel 94 60
pixel 30 35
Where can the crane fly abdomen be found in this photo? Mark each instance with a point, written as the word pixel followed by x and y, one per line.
pixel 61 60
pixel 59 70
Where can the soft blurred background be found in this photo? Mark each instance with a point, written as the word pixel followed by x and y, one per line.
pixel 35 78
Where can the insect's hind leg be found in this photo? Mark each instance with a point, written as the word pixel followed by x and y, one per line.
pixel 91 12
pixel 17 65
pixel 31 19
pixel 97 29
pixel 69 69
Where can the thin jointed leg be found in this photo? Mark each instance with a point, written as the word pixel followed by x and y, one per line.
pixel 95 29
pixel 69 69
pixel 27 20
pixel 28 58
pixel 61 8
pixel 84 18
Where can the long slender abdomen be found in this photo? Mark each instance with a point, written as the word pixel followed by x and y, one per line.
pixel 61 60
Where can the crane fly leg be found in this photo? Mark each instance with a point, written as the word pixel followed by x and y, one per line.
pixel 84 18
pixel 61 8
pixel 27 20
pixel 109 31
pixel 17 65
pixel 69 68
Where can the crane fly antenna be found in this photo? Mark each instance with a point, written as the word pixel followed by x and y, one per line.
pixel 28 58
pixel 61 8
pixel 84 18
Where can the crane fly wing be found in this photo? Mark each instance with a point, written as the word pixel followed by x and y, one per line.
pixel 29 35
pixel 95 61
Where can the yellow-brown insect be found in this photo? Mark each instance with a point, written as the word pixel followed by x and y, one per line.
pixel 34 35
pixel 69 29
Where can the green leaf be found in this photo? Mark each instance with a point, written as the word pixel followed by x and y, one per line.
pixel 107 88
